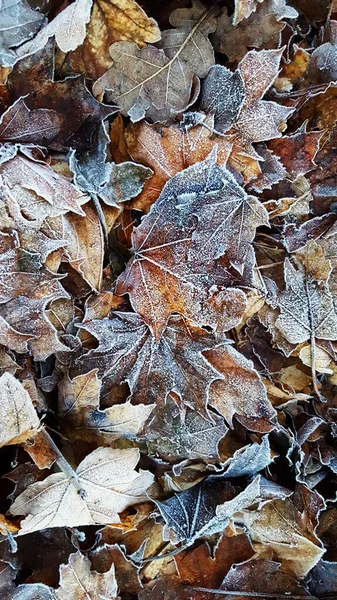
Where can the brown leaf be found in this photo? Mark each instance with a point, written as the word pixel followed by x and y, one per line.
pixel 261 29
pixel 84 247
pixel 34 191
pixel 199 568
pixel 127 574
pixel 174 435
pixel 297 152
pixel 168 150
pixel 240 392
pixel 261 577
pixel 33 76
pixel 19 124
pixel 280 526
pixel 24 323
pixel 115 20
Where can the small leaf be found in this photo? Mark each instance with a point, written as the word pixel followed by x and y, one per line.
pixel 18 418
pixel 78 582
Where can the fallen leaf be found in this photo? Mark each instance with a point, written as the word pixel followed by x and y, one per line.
pixel 32 77
pixel 19 22
pixel 261 29
pixel 83 419
pixel 175 436
pixel 78 582
pixel 128 352
pixel 68 28
pixel 109 483
pixel 24 323
pixel 240 392
pixel 19 420
pixel 115 20
pixel 19 124
pixel 279 525
pixel 161 82
pixel 261 577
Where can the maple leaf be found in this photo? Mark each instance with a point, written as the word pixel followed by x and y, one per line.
pixel 79 411
pixel 18 417
pixel 128 352
pixel 168 150
pixel 297 152
pixel 227 217
pixel 254 119
pixel 157 81
pixel 19 22
pixel 34 191
pixel 109 483
pixel 78 582
pixel 174 270
pixel 32 77
pixel 307 305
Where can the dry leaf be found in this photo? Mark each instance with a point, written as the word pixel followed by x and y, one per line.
pixel 19 421
pixel 108 482
pixel 78 582
pixel 157 81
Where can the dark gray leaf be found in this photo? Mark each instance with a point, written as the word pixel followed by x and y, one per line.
pixel 223 94
pixel 18 23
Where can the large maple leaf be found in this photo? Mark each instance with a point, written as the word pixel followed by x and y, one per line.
pixel 128 352
pixel 201 216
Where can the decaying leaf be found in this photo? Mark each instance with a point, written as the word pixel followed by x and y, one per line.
pixel 23 299
pixel 175 436
pixel 115 20
pixel 68 27
pixel 280 526
pixel 128 352
pixel 108 485
pixel 32 77
pixel 259 28
pixel 168 313
pixel 18 418
pixel 207 507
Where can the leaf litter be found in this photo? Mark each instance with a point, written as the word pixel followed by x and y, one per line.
pixel 168 313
